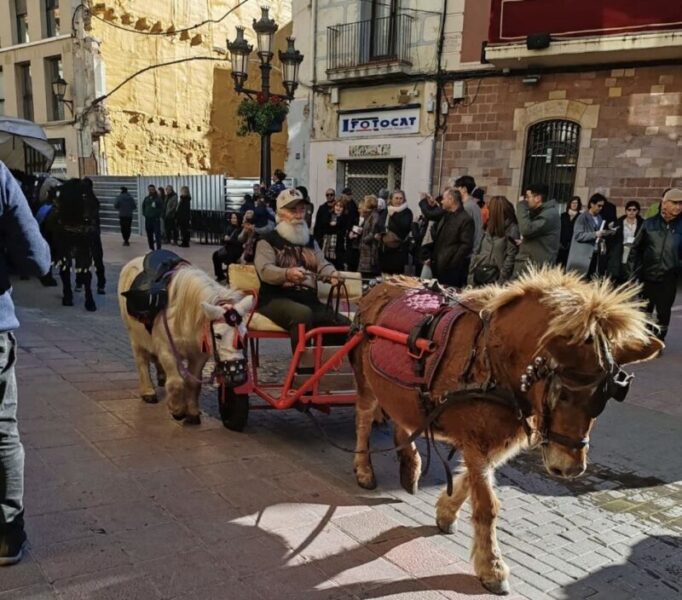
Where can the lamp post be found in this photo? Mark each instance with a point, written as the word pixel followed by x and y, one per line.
pixel 59 90
pixel 240 49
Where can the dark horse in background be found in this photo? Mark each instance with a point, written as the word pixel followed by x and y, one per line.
pixel 69 228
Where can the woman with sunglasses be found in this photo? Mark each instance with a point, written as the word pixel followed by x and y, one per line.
pixel 621 243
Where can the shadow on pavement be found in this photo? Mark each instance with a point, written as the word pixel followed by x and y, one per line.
pixel 653 570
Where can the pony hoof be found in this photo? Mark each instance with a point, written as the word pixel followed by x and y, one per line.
pixel 445 526
pixel 408 481
pixel 178 417
pixel 67 301
pixel 150 398
pixel 192 420
pixel 90 306
pixel 494 586
pixel 366 482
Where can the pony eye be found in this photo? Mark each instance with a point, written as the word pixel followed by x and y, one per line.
pixel 218 336
pixel 589 339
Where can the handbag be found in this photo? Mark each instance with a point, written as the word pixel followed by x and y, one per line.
pixel 391 240
pixel 486 274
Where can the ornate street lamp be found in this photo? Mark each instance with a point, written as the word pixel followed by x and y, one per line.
pixel 59 86
pixel 239 55
pixel 291 61
pixel 240 49
pixel 265 29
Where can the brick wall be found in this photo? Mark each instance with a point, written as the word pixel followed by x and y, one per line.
pixel 631 141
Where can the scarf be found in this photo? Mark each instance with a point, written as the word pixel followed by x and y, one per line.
pixel 396 209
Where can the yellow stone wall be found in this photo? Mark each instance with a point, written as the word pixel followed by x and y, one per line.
pixel 180 118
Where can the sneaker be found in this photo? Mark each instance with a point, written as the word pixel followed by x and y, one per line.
pixel 12 546
pixel 126 243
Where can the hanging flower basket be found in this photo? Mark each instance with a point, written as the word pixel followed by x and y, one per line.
pixel 260 116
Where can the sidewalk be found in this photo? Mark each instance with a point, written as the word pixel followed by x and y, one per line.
pixel 122 502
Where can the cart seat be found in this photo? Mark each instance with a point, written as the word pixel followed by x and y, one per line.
pixel 244 277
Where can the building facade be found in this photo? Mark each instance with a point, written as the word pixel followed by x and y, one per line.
pixel 366 113
pixel 584 98
pixel 172 118
pixel 38 46
pixel 179 118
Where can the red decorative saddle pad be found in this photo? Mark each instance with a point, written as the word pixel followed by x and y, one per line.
pixel 391 359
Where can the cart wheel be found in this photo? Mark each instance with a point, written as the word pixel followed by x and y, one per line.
pixel 234 408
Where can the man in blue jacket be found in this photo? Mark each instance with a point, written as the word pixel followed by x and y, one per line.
pixel 21 241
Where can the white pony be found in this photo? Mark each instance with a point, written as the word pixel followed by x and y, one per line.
pixel 201 322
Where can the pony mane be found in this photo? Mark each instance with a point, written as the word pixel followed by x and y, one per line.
pixel 579 309
pixel 189 288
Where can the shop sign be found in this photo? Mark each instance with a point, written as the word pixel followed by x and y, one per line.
pixel 379 122
pixel 364 150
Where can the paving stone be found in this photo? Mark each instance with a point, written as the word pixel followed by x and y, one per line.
pixel 108 585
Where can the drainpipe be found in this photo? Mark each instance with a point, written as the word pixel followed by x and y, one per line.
pixel 314 81
pixel 439 81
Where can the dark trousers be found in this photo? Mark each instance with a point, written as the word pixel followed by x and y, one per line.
pixel 11 450
pixel 153 229
pixel 185 233
pixel 98 259
pixel 171 229
pixel 454 277
pixel 224 257
pixel 352 258
pixel 660 296
pixel 126 224
pixel 288 314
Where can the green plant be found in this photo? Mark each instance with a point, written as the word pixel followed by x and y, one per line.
pixel 261 116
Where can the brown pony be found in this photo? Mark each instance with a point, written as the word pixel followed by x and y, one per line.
pixel 567 337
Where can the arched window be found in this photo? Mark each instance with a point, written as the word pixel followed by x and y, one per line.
pixel 552 156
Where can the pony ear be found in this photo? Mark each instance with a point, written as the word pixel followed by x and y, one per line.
pixel 212 311
pixel 640 352
pixel 244 305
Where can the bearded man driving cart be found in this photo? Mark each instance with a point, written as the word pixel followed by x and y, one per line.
pixel 289 262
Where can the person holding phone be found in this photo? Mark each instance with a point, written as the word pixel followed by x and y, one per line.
pixel 589 235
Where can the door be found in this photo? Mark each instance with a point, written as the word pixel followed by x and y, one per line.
pixel 552 156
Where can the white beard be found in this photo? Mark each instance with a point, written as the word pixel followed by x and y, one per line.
pixel 295 232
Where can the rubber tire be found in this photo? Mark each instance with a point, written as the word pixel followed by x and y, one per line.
pixel 234 412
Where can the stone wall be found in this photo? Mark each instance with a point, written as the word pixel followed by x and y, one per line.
pixel 631 136
pixel 180 118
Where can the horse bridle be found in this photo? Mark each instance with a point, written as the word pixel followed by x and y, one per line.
pixel 615 383
pixel 232 372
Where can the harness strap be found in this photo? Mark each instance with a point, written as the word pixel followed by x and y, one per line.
pixel 182 369
pixel 450 398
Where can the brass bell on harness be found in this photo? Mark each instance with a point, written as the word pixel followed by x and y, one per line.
pixel 539 361
pixel 530 371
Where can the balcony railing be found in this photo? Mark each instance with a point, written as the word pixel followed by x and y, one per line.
pixel 383 40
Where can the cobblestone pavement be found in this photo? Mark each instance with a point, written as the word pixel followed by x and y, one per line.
pixel 124 503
